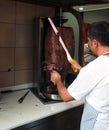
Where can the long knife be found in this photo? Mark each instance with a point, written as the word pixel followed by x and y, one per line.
pixel 69 58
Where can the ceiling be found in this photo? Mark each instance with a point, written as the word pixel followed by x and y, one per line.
pixel 64 2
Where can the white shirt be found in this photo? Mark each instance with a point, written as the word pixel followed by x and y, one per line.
pixel 92 83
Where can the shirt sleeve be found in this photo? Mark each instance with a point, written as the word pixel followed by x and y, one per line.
pixel 85 82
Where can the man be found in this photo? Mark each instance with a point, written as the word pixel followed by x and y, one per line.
pixel 92 82
pixel 88 56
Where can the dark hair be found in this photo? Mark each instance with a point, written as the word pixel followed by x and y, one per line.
pixel 100 32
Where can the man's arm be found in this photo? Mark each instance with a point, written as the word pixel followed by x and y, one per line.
pixel 62 90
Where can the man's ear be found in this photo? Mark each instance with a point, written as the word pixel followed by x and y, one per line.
pixel 95 43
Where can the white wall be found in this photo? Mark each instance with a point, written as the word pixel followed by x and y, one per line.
pixel 97 15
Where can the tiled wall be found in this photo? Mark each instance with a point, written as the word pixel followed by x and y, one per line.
pixel 16 41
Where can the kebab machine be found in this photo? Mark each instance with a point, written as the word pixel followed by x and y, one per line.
pixel 54 50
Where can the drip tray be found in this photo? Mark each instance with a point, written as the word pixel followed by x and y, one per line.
pixel 44 99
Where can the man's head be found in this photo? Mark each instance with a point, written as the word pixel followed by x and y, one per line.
pixel 98 36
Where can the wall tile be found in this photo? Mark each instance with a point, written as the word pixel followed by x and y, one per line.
pixel 23 76
pixel 25 13
pixel 24 36
pixel 6 79
pixel 23 58
pixel 6 59
pixel 43 11
pixel 7 11
pixel 7 35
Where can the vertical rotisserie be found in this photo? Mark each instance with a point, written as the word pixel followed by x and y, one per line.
pixel 54 54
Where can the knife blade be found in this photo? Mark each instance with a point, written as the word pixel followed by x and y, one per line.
pixel 69 58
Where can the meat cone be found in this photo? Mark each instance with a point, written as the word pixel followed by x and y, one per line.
pixel 54 54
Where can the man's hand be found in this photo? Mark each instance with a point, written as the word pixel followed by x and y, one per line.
pixel 62 90
pixel 75 65
pixel 55 77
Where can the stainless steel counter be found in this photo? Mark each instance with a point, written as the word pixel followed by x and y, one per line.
pixel 14 114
